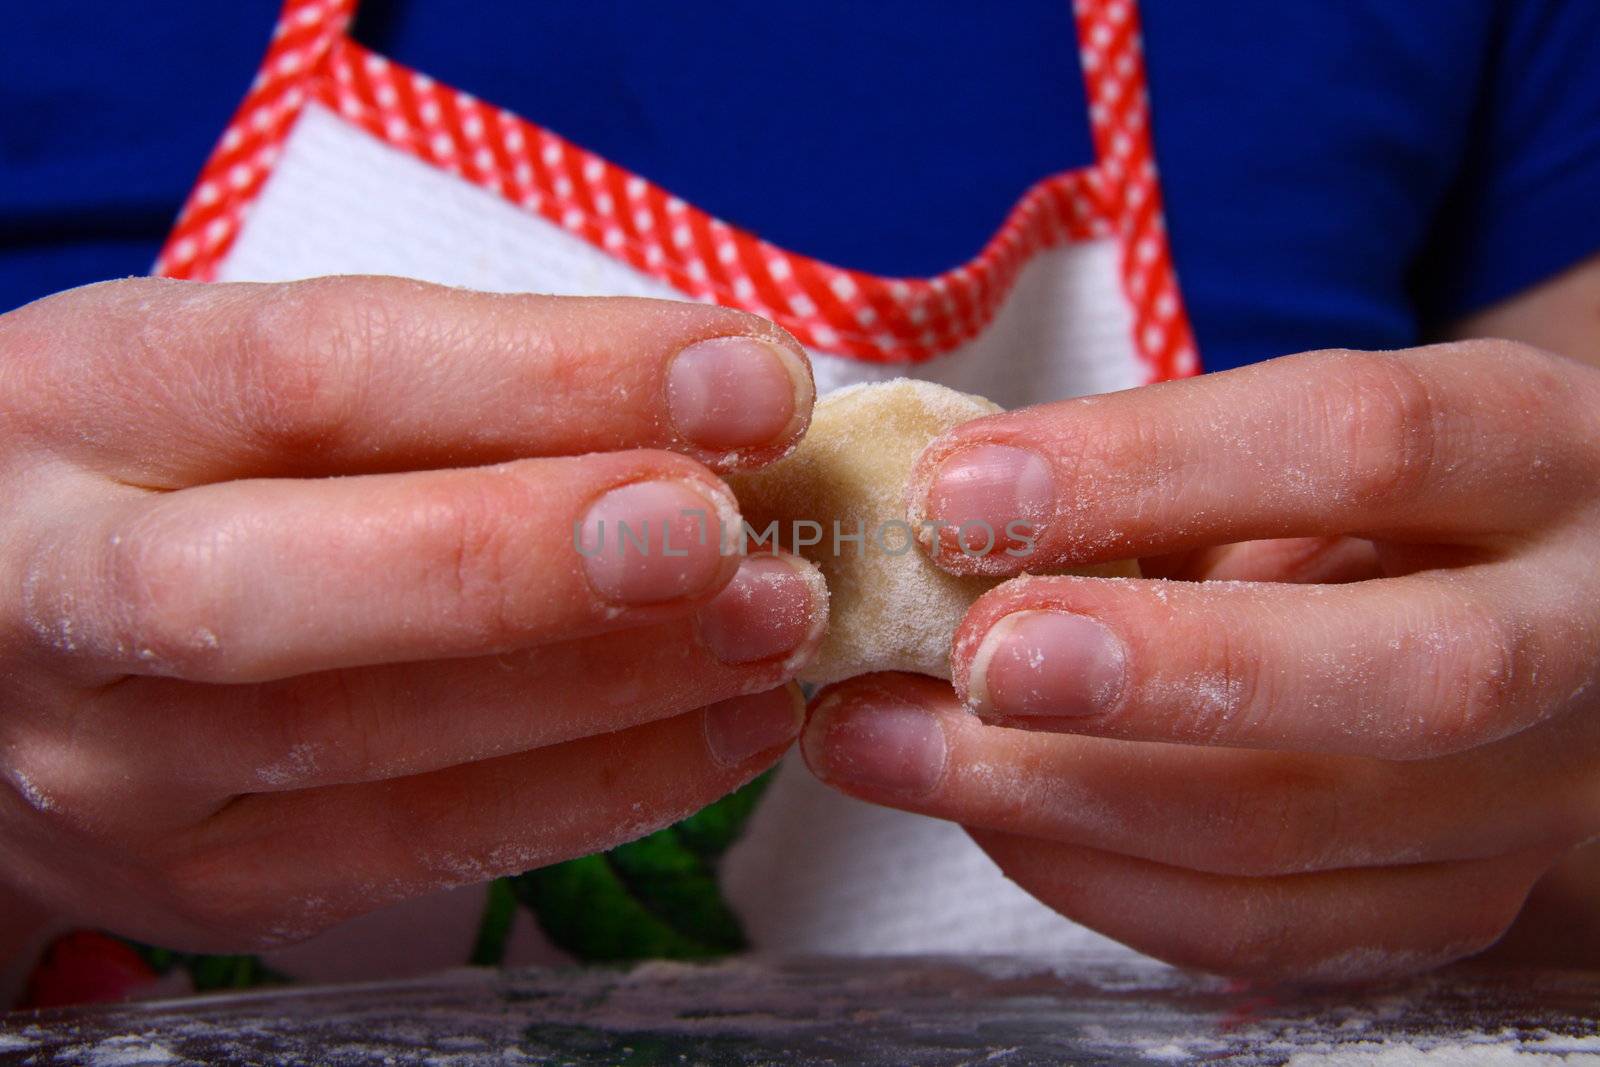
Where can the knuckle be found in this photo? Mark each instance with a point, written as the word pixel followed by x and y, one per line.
pixel 1476 685
pixel 52 605
pixel 302 361
pixel 1490 681
pixel 200 899
pixel 1214 701
pixel 1386 420
pixel 33 782
pixel 1559 396
pixel 1118 455
pixel 205 890
pixel 221 907
pixel 476 557
pixel 162 593
pixel 322 729
pixel 58 772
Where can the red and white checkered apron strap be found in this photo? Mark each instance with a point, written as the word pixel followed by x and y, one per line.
pixel 852 313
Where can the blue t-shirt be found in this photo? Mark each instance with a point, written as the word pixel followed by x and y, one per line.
pixel 1346 172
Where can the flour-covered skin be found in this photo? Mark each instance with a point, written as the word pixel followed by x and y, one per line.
pixel 1353 722
pixel 317 598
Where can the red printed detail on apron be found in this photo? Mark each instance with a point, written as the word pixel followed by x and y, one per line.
pixel 846 312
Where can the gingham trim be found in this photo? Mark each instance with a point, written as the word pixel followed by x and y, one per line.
pixel 1112 51
pixel 847 312
pixel 294 66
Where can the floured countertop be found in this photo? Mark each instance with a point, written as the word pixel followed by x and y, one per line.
pixel 904 1011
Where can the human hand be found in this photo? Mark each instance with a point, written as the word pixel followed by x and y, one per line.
pixel 294 629
pixel 1351 747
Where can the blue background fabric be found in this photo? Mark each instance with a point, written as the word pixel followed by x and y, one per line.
pixel 1336 172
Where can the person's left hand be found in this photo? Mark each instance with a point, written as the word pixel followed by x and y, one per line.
pixel 1348 749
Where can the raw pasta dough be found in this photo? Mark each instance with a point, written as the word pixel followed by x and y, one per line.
pixel 889 610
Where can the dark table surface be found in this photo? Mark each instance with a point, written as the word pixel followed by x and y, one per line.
pixel 899 1011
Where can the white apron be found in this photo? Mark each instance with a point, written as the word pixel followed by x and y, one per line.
pixel 341 161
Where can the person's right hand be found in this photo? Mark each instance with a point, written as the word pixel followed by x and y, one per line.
pixel 292 625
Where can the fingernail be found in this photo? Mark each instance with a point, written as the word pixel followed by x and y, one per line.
pixel 740 728
pixel 769 609
pixel 878 743
pixel 991 487
pixel 732 392
pixel 649 542
pixel 1047 663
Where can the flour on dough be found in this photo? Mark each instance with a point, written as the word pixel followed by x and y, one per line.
pixel 888 611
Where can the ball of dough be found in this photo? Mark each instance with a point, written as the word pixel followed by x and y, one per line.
pixel 889 608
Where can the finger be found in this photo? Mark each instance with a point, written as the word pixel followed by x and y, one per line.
pixel 1401 668
pixel 370 723
pixel 1327 927
pixel 167 384
pixel 905 741
pixel 1426 445
pixel 277 867
pixel 253 580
